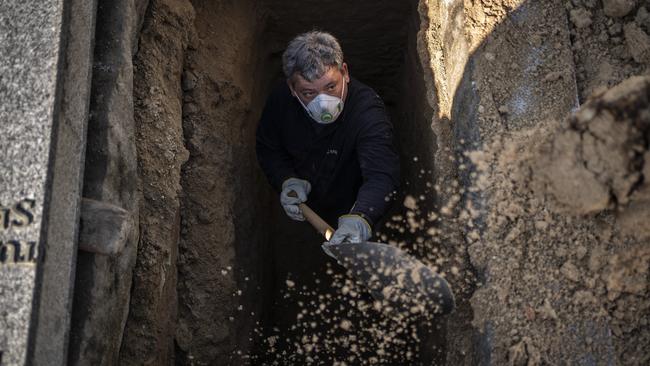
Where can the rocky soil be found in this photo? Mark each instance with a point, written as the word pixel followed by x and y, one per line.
pixel 565 244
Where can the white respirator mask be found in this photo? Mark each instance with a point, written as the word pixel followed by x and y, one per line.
pixel 325 108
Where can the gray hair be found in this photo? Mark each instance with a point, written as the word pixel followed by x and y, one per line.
pixel 311 54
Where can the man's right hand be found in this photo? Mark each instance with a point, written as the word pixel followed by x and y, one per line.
pixel 290 202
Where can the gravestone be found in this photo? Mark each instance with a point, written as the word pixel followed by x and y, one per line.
pixel 44 82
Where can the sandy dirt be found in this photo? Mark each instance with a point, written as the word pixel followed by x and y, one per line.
pixel 610 42
pixel 161 153
pixel 560 197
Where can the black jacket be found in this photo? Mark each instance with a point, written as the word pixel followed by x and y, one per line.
pixel 351 163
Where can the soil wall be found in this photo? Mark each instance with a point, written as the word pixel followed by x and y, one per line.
pixel 519 77
pixel 224 228
pixel 158 66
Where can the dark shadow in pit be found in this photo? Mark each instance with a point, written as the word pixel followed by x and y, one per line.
pixel 305 292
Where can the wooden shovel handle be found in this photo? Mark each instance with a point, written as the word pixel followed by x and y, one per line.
pixel 316 221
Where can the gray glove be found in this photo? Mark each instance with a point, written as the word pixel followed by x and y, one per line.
pixel 289 203
pixel 352 229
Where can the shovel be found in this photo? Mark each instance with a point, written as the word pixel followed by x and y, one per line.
pixel 403 285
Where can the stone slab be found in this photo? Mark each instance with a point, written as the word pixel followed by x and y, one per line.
pixel 30 44
pixel 52 334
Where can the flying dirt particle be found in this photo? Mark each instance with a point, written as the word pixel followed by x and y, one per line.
pixel 410 202
pixel 345 324
pixel 272 340
pixel 415 276
pixel 455 271
pixel 432 216
pixel 290 283
pixel 377 305
pixel 345 290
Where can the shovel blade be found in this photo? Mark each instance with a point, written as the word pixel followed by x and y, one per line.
pixel 402 283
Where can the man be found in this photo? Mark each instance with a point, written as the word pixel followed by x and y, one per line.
pixel 327 137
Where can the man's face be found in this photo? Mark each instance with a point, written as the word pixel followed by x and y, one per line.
pixel 330 83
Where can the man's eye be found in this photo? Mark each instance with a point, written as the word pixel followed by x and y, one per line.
pixel 308 94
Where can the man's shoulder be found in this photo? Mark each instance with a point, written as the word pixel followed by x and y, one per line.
pixel 367 107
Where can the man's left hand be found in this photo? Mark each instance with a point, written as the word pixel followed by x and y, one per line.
pixel 352 229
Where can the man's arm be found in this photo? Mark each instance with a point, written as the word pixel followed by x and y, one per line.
pixel 271 154
pixel 379 164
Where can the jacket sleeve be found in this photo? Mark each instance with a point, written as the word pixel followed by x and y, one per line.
pixel 272 156
pixel 379 164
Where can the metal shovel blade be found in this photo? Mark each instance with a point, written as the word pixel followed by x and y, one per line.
pixel 402 283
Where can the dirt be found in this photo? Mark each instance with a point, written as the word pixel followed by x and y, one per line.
pixel 161 152
pixel 528 63
pixel 598 164
pixel 337 322
pixel 223 225
pixel 614 44
pixel 559 199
